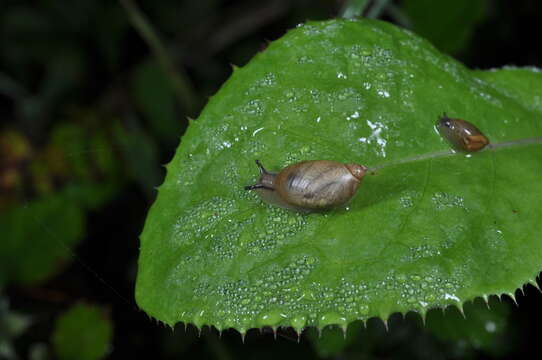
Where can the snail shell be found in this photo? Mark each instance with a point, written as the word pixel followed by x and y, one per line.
pixel 310 185
pixel 461 134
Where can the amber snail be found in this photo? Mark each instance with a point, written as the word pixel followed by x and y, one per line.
pixel 309 185
pixel 461 134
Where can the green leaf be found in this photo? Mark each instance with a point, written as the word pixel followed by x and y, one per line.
pixel 36 238
pixel 153 92
pixel 83 332
pixel 353 8
pixel 95 174
pixel 140 154
pixel 430 228
pixel 449 25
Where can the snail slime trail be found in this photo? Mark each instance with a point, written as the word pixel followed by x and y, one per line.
pixel 309 185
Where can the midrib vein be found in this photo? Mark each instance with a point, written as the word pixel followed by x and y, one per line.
pixel 445 153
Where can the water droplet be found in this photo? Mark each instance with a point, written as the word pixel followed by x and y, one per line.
pixel 376 137
pixel 315 95
pixel 199 320
pixel 257 131
pixel 383 93
pixel 270 318
pixel 299 322
pixel 305 60
pixel 363 309
pixel 406 201
pixel 451 297
pixel 354 115
pixel 253 107
pixel 331 318
pixel 445 200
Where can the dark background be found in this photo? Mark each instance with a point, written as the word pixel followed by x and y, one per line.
pixel 88 114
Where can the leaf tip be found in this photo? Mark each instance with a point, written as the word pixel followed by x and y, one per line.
pixel 243 335
pixel 461 309
pixel 512 296
pixel 534 283
pixel 344 328
pixel 386 325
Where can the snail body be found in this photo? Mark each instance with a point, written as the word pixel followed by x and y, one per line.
pixel 310 185
pixel 461 134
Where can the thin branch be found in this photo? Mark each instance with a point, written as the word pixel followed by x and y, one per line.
pixel 179 80
pixel 378 7
pixel 242 21
pixel 398 15
pixel 353 8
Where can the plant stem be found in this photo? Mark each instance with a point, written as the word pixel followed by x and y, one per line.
pixel 353 8
pixel 181 84
pixel 399 16
pixel 378 7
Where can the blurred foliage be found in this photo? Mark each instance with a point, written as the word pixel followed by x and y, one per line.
pixel 153 93
pixel 87 117
pixel 39 236
pixel 449 25
pixel 83 332
pixel 446 333
pixel 354 8
pixel 12 325
pixel 481 326
pixel 50 188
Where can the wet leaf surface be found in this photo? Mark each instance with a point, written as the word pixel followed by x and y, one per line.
pixel 430 228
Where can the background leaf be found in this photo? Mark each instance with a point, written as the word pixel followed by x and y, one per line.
pixel 425 231
pixel 12 325
pixel 37 238
pixel 153 91
pixel 83 332
pixel 482 326
pixel 449 25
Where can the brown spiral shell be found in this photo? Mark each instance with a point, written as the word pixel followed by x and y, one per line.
pixel 461 134
pixel 310 185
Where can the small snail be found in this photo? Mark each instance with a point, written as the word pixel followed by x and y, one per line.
pixel 461 134
pixel 309 185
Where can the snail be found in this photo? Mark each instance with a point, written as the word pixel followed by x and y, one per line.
pixel 461 134
pixel 309 185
